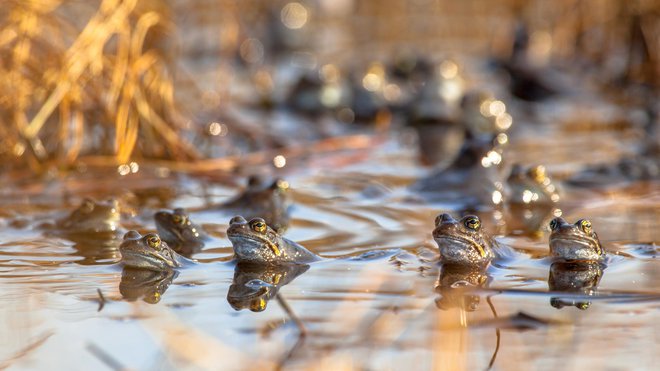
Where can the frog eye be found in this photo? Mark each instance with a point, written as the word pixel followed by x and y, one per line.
pixel 472 222
pixel 583 305
pixel 585 225
pixel 258 305
pixel 280 184
pixel 178 219
pixel 258 225
pixel 153 241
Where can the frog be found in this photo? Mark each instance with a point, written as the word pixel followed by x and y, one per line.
pixel 180 233
pixel 531 185
pixel 91 217
pixel 145 284
pixel 478 166
pixel 574 277
pixel 532 199
pixel 464 242
pixel 644 166
pixel 254 285
pixel 149 252
pixel 574 242
pixel 268 201
pixel 256 242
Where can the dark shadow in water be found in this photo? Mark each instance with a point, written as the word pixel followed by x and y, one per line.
pixel 145 284
pixel 580 278
pixel 254 285
pixel 456 285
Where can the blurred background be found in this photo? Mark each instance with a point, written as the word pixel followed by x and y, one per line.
pixel 118 82
pixel 370 110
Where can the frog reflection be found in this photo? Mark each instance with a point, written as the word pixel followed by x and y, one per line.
pixel 254 285
pixel 100 249
pixel 145 284
pixel 579 278
pixel 456 284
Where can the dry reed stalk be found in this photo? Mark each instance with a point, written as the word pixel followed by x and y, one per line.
pixel 71 90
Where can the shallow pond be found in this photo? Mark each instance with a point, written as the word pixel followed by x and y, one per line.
pixel 68 305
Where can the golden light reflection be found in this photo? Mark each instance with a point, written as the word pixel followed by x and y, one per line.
pixel 329 73
pixel 503 121
pixel 294 16
pixel 371 82
pixel 218 129
pixel 392 92
pixel 496 108
pixel 497 197
pixel 279 161
pixel 448 69
pixel 330 95
pixel 124 169
pixel 374 79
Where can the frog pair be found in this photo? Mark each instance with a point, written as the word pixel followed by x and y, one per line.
pixel 464 242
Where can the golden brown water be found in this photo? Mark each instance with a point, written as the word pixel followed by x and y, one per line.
pixel 383 313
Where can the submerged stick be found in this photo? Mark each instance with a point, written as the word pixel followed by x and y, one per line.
pixel 101 300
pixel 497 333
pixel 104 357
pixel 292 315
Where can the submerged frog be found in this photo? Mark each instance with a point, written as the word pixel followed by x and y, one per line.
pixel 473 179
pixel 574 242
pixel 179 231
pixel 463 242
pixel 92 217
pixel 254 285
pixel 581 278
pixel 149 252
pixel 256 242
pixel 268 201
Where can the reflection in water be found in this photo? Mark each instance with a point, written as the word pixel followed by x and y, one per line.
pixel 100 248
pixel 581 278
pixel 145 284
pixel 254 285
pixel 456 284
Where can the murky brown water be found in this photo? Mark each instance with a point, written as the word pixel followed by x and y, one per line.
pixel 383 313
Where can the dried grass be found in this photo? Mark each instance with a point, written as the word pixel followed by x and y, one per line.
pixel 72 89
